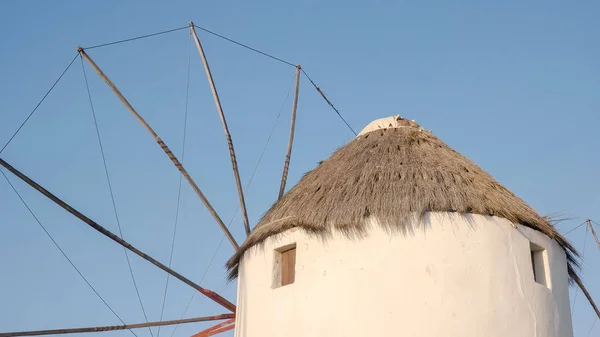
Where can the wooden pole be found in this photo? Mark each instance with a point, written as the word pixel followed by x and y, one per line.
pixel 589 222
pixel 117 327
pixel 580 282
pixel 589 297
pixel 165 148
pixel 208 293
pixel 586 293
pixel 234 164
pixel 291 140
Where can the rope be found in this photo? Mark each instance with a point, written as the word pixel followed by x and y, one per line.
pixel 187 95
pixel 237 209
pixel 39 103
pixel 136 38
pixel 112 196
pixel 61 250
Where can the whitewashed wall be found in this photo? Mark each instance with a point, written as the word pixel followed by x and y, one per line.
pixel 459 276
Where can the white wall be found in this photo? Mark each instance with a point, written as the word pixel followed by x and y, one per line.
pixel 461 276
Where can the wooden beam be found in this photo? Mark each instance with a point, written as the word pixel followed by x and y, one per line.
pixel 208 293
pixel 117 327
pixel 589 222
pixel 585 292
pixel 234 164
pixel 164 146
pixel 291 140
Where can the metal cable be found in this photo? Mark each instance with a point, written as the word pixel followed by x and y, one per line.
pixel 328 102
pixel 585 222
pixel 185 118
pixel 237 209
pixel 284 62
pixel 246 46
pixel 219 36
pixel 112 196
pixel 592 327
pixel 61 250
pixel 39 103
pixel 136 38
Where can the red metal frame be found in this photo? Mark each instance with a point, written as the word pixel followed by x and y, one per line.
pixel 217 329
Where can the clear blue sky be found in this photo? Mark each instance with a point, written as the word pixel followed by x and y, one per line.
pixel 512 85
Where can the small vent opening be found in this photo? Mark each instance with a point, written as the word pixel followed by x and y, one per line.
pixel 539 265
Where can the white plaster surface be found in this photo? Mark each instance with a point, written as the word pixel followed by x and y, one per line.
pixel 453 276
pixel 389 123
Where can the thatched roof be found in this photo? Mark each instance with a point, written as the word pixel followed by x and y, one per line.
pixel 393 171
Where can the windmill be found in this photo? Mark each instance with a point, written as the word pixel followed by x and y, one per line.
pixel 227 319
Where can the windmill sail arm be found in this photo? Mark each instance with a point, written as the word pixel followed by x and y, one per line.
pixel 288 156
pixel 163 146
pixel 234 165
pixel 229 318
pixel 208 293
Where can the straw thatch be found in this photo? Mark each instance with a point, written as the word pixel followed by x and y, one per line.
pixel 392 175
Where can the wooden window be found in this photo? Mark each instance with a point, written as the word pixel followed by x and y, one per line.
pixel 288 266
pixel 284 268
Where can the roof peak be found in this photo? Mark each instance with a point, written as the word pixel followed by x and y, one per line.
pixel 392 122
